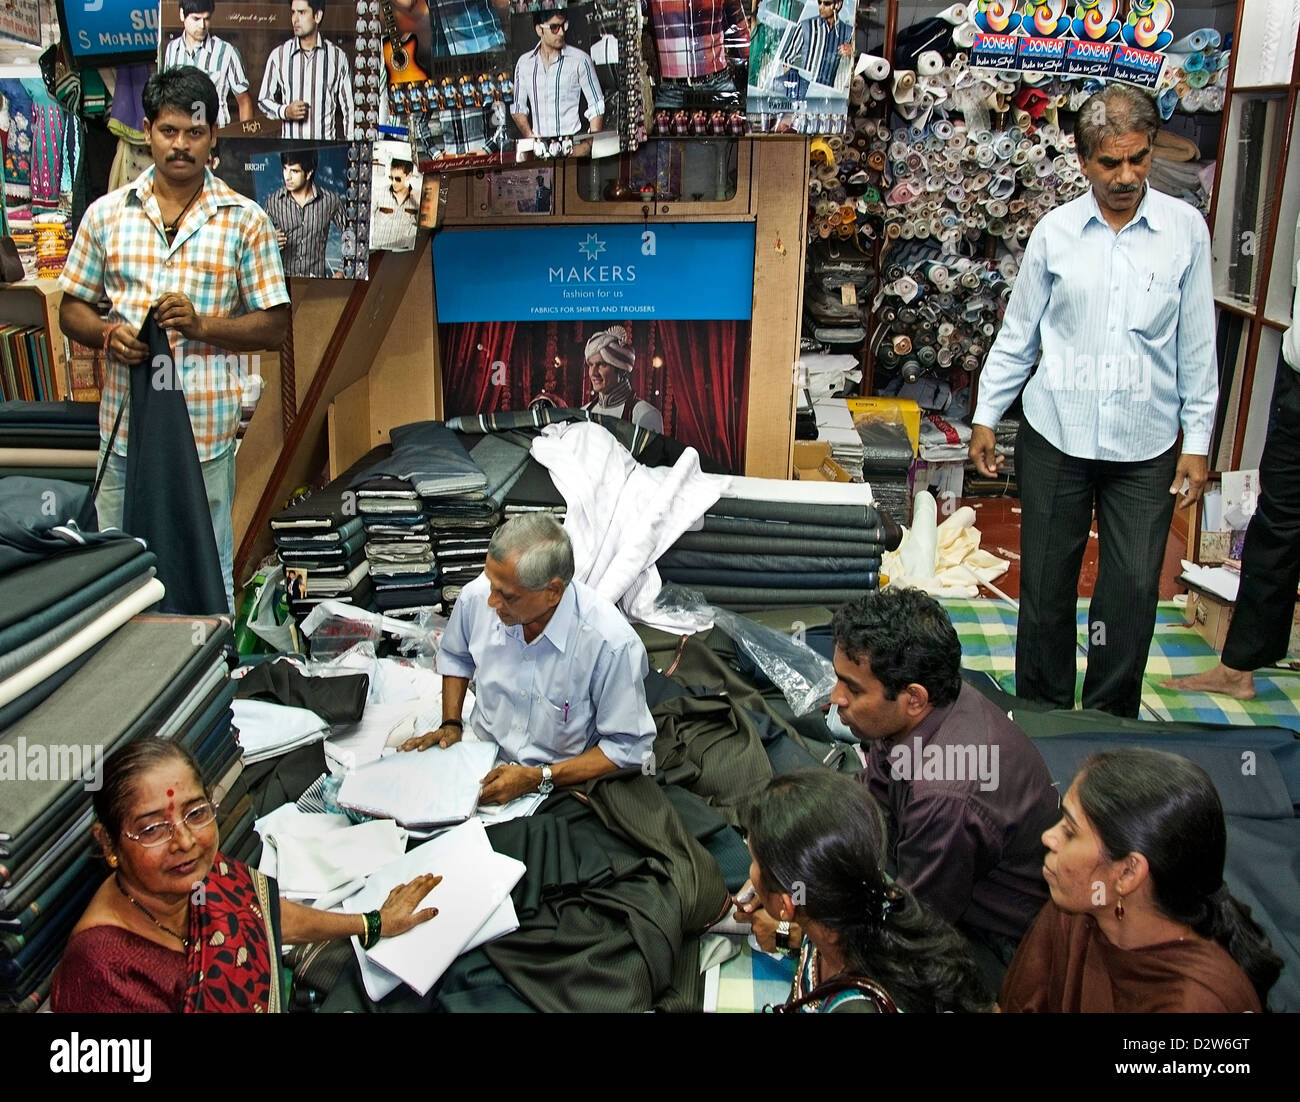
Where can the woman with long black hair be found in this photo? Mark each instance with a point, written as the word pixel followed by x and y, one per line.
pixel 816 839
pixel 1140 919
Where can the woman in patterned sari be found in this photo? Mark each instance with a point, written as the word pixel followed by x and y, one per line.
pixel 179 927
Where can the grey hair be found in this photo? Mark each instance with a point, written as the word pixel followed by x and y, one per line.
pixel 544 549
pixel 1115 111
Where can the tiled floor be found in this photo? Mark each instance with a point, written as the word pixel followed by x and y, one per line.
pixel 998 519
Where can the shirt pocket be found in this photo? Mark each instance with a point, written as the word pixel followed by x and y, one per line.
pixel 567 718
pixel 1153 309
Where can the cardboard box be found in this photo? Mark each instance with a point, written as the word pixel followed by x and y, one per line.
pixel 813 463
pixel 1210 615
pixel 890 409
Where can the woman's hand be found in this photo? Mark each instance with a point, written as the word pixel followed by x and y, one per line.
pixel 398 914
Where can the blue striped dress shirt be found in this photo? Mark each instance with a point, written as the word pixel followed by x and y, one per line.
pixel 1125 326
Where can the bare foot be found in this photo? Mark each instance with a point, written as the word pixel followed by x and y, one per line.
pixel 1239 684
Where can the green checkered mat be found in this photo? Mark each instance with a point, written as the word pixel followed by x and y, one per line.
pixel 750 981
pixel 987 630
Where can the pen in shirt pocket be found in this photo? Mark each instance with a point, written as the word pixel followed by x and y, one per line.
pixel 566 711
pixel 1151 282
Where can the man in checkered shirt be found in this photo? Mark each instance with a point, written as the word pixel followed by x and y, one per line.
pixel 179 241
pixel 215 56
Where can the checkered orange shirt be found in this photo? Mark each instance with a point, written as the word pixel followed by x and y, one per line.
pixel 225 259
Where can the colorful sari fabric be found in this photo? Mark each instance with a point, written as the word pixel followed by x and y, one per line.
pixel 234 956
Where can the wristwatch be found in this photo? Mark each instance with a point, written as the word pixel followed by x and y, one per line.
pixel 782 935
pixel 547 785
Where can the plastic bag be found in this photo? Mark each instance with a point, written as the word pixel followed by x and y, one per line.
pixel 422 648
pixel 804 677
pixel 262 621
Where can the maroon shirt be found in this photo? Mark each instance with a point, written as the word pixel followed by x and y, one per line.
pixel 109 970
pixel 967 797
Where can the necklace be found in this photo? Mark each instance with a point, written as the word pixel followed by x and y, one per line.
pixel 149 914
pixel 170 230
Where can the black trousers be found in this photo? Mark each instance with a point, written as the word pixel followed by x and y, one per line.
pixel 1058 494
pixel 1270 562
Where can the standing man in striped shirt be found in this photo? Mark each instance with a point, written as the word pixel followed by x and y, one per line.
pixel 179 241
pixel 308 82
pixel 818 51
pixel 302 214
pixel 215 56
pixel 551 80
pixel 1114 302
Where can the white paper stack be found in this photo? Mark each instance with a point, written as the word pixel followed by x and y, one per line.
pixel 421 790
pixel 1212 579
pixel 473 903
pixel 835 427
pixel 324 857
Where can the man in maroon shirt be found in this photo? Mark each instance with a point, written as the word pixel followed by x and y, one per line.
pixel 965 793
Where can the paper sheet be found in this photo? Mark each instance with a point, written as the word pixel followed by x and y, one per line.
pixel 429 788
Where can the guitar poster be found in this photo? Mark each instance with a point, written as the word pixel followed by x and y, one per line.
pixel 502 82
pixel 298 89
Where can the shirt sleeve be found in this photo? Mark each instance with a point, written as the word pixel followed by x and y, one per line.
pixel 1016 348
pixel 523 104
pixel 454 658
pixel 268 96
pixel 261 270
pixel 238 78
pixel 737 29
pixel 942 850
pixel 624 725
pixel 345 98
pixel 82 276
pixel 591 89
pixel 1198 376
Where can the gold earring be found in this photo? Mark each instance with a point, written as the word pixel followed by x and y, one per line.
pixel 1119 908
pixel 112 860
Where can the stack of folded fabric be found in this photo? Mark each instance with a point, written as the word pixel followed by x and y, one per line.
pixel 155 676
pixel 464 524
pixel 534 492
pixel 1004 435
pixel 49 439
pixel 835 427
pixel 887 457
pixel 772 544
pixel 324 535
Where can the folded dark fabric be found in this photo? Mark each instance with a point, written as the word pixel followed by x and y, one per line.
pixel 794 564
pixel 342 549
pixel 77 439
pixel 361 596
pixel 38 519
pixel 428 455
pixel 786 529
pixel 799 512
pixel 332 569
pixel 63 583
pixel 867 579
pixel 67 415
pixel 464 526
pixel 407 581
pixel 398 525
pixel 12 712
pixel 404 597
pixel 17 658
pixel 132 685
pixel 725 543
pixel 340 699
pixel 334 505
pixel 81 476
pixel 728 596
pixel 308 538
pixel 535 488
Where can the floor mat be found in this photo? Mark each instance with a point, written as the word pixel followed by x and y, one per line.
pixel 987 630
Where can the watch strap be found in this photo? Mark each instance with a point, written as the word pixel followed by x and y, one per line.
pixel 782 935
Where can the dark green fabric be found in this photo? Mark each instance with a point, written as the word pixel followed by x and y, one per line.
pixel 617 892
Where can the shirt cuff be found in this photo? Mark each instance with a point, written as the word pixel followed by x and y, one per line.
pixel 624 753
pixel 453 666
pixel 1195 445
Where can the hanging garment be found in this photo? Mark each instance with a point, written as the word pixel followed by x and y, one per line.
pixel 165 502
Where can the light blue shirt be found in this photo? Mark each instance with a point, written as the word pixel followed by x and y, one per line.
pixel 1125 326
pixel 579 684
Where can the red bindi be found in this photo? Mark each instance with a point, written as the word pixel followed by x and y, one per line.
pixel 170 793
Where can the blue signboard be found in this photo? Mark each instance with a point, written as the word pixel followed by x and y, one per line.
pixel 680 271
pixel 99 32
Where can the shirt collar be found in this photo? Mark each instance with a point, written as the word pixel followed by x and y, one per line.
pixel 557 628
pixel 1146 210
pixel 296 44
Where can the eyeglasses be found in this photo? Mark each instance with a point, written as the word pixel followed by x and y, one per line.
pixel 556 28
pixel 157 834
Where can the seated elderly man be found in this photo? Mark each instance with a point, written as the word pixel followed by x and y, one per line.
pixel 559 673
pixel 965 793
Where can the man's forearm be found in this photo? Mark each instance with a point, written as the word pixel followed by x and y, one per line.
pixel 585 767
pixel 81 321
pixel 253 332
pixel 521 121
pixel 453 696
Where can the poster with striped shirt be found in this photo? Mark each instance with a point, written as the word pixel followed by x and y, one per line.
pixel 800 65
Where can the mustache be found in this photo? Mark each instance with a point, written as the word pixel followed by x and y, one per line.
pixel 180 157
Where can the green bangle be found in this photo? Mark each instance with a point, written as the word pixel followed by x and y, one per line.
pixel 374 929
